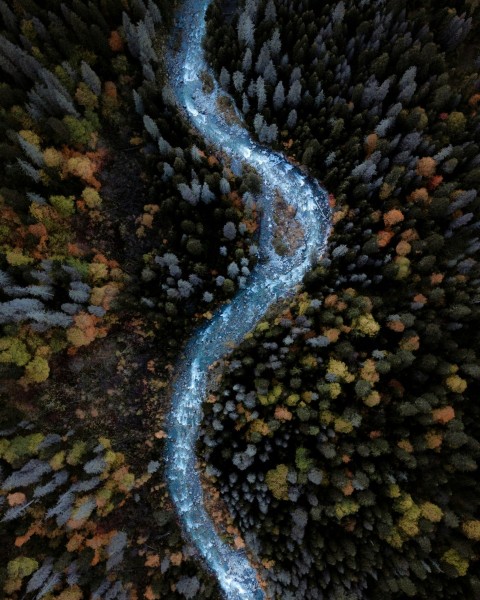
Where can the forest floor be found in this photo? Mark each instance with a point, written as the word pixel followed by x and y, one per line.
pixel 110 387
pixel 289 235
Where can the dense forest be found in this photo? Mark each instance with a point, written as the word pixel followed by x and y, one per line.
pixel 120 231
pixel 341 440
pixel 345 434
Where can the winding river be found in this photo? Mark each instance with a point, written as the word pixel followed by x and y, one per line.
pixel 273 278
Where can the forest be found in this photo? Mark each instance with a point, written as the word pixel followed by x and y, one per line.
pixel 340 440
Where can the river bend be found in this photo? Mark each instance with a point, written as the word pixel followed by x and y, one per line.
pixel 273 278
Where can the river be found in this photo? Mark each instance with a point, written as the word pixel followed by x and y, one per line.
pixel 273 278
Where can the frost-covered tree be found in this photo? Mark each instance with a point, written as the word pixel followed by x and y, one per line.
pixel 146 51
pixel 270 12
pixel 294 93
pixel 188 587
pixel 116 549
pixel 275 44
pixel 374 93
pixel 187 193
pixel 245 30
pixel 382 128
pixel 245 104
pixel 151 126
pixel 168 96
pixel 338 12
pixel 238 81
pixel 263 59
pixel 185 288
pixel 247 60
pixel 138 102
pixel 32 152
pixel 279 96
pixel 258 123
pixel 30 473
pixel 91 78
pixel 233 270
pixel 292 119
pixel 164 147
pixel 251 8
pixel 270 73
pixel 224 186
pixel 207 195
pixel 230 230
pixel 268 133
pixel 407 84
pixel 224 78
pixel 261 94
pixel 29 170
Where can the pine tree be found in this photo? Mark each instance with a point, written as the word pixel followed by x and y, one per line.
pixel 258 123
pixel 187 194
pixel 224 78
pixel 137 100
pixel 246 30
pixel 263 59
pixel 294 94
pixel 8 67
pixel 275 44
pixel 407 84
pixel 251 8
pixel 455 31
pixel 40 576
pixel 164 147
pixel 268 133
pixel 76 23
pixel 224 186
pixel 91 78
pixel 338 12
pixel 295 75
pixel 131 35
pixel 270 12
pixel 146 51
pixel 245 104
pixel 261 94
pixel 207 195
pixel 238 81
pixel 28 65
pixel 374 93
pixel 9 18
pixel 29 170
pixel 230 230
pixel 247 61
pixel 32 152
pixel 279 96
pixel 30 473
pixel 188 587
pixel 116 549
pixel 270 73
pixel 151 127
pixel 292 119
pixel 154 12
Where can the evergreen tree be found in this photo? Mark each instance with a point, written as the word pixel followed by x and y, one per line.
pixel 279 96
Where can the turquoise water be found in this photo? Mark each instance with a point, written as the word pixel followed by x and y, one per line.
pixel 273 278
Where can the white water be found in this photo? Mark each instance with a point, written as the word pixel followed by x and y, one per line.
pixel 273 278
